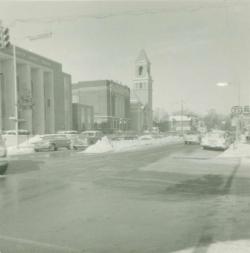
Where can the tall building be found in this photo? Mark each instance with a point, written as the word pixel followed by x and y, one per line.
pixel 142 93
pixel 44 93
pixel 110 101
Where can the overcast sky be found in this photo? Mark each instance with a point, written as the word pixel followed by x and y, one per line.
pixel 192 45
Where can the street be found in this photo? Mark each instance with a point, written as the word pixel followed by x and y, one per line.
pixel 160 199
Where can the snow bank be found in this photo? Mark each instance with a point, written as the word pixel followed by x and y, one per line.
pixel 102 146
pixel 105 145
pixel 26 147
pixel 241 246
pixel 19 151
pixel 239 150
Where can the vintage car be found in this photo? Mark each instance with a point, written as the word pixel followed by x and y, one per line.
pixel 91 136
pixel 192 138
pixel 216 139
pixel 52 142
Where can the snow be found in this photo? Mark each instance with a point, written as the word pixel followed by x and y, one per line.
pixel 240 246
pixel 102 146
pixel 240 150
pixel 105 145
pixel 26 147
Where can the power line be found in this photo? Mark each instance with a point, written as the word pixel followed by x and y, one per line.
pixel 143 12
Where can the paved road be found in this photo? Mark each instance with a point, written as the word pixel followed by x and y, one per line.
pixel 156 200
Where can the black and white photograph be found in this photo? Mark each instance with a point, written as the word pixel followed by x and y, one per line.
pixel 125 126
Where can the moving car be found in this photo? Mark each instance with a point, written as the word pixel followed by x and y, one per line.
pixel 3 154
pixel 92 136
pixel 52 142
pixel 192 138
pixel 216 140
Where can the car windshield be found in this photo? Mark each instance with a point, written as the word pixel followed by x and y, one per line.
pixel 216 135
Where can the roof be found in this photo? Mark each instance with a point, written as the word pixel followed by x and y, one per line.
pixel 96 83
pixel 142 56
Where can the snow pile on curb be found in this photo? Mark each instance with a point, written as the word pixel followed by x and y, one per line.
pixel 240 150
pixel 120 146
pixel 105 145
pixel 241 246
pixel 102 146
pixel 26 147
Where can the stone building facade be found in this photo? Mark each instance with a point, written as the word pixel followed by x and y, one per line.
pixel 44 93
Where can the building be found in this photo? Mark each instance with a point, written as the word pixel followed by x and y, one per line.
pixel 180 123
pixel 83 117
pixel 110 101
pixel 44 93
pixel 142 93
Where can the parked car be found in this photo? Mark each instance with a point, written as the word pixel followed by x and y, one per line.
pixel 192 138
pixel 52 142
pixel 71 132
pixel 146 137
pixel 216 140
pixel 92 136
pixel 79 143
pixel 3 154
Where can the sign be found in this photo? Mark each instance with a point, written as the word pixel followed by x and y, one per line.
pixel 237 110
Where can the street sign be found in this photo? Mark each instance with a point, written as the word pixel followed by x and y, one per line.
pixel 237 109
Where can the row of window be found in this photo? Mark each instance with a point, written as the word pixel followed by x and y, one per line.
pixel 141 86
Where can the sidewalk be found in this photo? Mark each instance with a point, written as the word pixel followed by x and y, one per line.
pixel 240 150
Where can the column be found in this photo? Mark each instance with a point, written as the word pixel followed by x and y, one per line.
pixel 25 96
pixel 49 102
pixel 9 91
pixel 38 100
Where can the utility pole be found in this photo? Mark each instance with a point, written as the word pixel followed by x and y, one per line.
pixel 16 95
pixel 181 117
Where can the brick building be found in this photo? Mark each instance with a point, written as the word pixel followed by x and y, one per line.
pixel 110 101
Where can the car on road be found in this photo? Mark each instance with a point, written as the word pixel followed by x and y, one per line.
pixel 216 139
pixel 192 138
pixel 52 142
pixel 91 136
pixel 3 155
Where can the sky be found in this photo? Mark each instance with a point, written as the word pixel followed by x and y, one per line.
pixel 192 45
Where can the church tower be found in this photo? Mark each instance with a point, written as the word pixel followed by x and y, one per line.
pixel 142 87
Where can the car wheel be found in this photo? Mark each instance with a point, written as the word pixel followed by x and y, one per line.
pixel 3 169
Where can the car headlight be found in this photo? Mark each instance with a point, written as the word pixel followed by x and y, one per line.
pixel 3 151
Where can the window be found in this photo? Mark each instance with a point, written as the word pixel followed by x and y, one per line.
pixel 140 70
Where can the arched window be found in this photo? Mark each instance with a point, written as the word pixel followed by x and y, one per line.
pixel 140 70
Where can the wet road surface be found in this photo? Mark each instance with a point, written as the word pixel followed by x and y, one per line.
pixel 162 199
